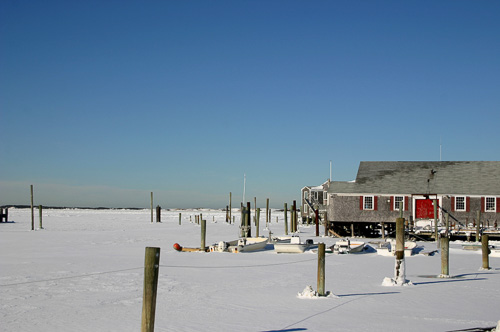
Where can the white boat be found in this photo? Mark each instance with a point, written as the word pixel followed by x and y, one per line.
pixel 347 246
pixel 241 245
pixel 294 246
pixel 389 248
pixel 495 252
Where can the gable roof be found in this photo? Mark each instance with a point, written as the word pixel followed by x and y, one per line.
pixel 421 177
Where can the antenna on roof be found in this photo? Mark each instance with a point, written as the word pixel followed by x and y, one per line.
pixel 330 170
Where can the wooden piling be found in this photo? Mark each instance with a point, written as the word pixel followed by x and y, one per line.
pixel 40 215
pixel 485 251
pixel 434 203
pixel 399 271
pixel 180 218
pixel 286 219
pixel 158 213
pixel 248 222
pixel 294 209
pixel 316 214
pixel 267 211
pixel 203 234
pixel 255 210
pixel 445 257
pixel 478 225
pixel 32 213
pixel 257 222
pixel 230 198
pixel 321 269
pixel 151 271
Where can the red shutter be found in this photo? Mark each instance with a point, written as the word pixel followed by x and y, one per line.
pixel 452 203
pixel 467 204
pixel 498 204
pixel 375 200
pixel 361 203
pixel 482 204
pixel 406 202
pixel 392 203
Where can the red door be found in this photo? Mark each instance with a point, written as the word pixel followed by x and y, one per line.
pixel 424 209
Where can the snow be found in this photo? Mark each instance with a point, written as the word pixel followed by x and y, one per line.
pixel 84 272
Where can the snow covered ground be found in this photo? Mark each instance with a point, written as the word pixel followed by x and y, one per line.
pixel 84 272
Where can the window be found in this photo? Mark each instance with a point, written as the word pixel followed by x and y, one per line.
pixel 460 203
pixel 399 201
pixel 368 203
pixel 315 195
pixel 490 204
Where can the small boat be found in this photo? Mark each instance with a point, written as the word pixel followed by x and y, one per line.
pixel 347 246
pixel 495 252
pixel 389 248
pixel 294 246
pixel 471 246
pixel 241 245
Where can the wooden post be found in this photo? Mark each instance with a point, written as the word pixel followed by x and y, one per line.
pixel 321 269
pixel 286 219
pixel 447 224
pixel 230 207
pixel 399 271
pixel 267 211
pixel 242 221
pixel 352 229
pixel 40 215
pixel 445 257
pixel 257 222
pixel 485 251
pixel 158 213
pixel 203 234
pixel 180 218
pixel 294 209
pixel 151 269
pixel 383 231
pixel 325 222
pixel 316 213
pixel 434 203
pixel 32 214
pixel 478 225
pixel 151 207
pixel 248 222
pixel 255 210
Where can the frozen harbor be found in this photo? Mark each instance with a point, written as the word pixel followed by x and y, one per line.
pixel 84 272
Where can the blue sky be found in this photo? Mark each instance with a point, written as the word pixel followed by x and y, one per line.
pixel 102 102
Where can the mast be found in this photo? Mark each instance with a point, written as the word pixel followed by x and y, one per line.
pixel 244 185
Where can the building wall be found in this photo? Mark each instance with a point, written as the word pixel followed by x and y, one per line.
pixel 347 209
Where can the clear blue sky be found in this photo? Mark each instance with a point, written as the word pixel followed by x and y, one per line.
pixel 102 102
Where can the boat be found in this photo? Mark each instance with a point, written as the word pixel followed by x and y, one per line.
pixel 240 245
pixel 495 252
pixel 347 246
pixel 471 246
pixel 294 246
pixel 388 248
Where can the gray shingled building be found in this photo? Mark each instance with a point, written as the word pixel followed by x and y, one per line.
pixel 381 189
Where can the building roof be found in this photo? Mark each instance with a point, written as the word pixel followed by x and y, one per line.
pixel 423 177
